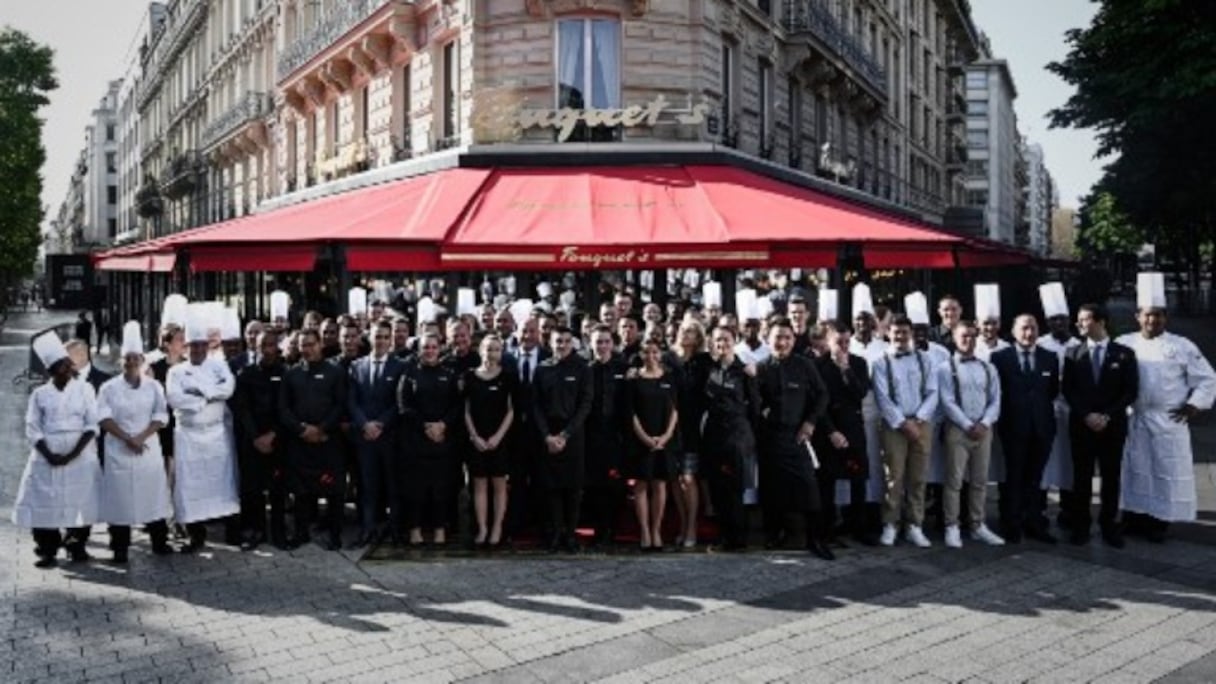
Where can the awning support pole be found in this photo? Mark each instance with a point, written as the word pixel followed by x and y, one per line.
pixel 341 274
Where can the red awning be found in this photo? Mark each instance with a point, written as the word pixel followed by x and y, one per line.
pixel 385 257
pixel 143 263
pixel 891 255
pixel 293 258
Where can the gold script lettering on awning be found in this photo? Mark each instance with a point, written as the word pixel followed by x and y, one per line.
pixel 574 255
pixel 501 115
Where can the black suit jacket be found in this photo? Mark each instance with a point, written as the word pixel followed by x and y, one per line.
pixel 97 378
pixel 510 363
pixel 1027 400
pixel 373 402
pixel 1113 393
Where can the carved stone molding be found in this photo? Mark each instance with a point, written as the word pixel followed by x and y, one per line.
pixel 404 28
pixel 547 9
pixel 362 61
pixel 339 73
pixel 312 90
pixel 379 47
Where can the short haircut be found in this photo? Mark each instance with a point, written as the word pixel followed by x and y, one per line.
pixel 965 323
pixel 561 330
pixel 1096 312
pixel 948 298
pixel 838 326
pixel 901 321
pixel 779 322
pixel 384 326
pixel 308 332
pixel 796 299
pixel 601 328
pixel 728 331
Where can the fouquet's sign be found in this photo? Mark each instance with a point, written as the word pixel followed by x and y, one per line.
pixel 502 115
pixel 596 259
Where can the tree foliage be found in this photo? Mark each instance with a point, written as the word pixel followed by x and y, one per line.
pixel 27 76
pixel 1145 80
pixel 1105 229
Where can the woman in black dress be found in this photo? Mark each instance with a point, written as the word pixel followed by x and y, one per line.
pixel 488 415
pixel 654 417
pixel 690 363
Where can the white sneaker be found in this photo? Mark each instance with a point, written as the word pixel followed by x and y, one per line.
pixel 917 537
pixel 987 536
pixel 954 540
pixel 888 535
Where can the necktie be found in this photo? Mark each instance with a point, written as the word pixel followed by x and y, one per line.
pixel 1026 367
pixel 526 370
pixel 1096 357
pixel 376 370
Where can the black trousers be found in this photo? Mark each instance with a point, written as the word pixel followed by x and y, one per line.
pixel 379 484
pixel 727 493
pixel 1105 449
pixel 120 535
pixel 308 507
pixel 1021 501
pixel 48 541
pixel 263 480
pixel 524 502
pixel 601 504
pixel 426 490
pixel 564 504
pixel 855 512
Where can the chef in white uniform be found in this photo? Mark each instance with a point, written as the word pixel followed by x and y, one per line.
pixel 59 488
pixel 1176 383
pixel 204 464
pixel 1057 474
pixel 134 486
pixel 871 348
pixel 988 318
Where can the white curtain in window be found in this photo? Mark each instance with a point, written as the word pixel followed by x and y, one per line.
pixel 571 90
pixel 605 64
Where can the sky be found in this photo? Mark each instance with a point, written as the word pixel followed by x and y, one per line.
pixel 94 41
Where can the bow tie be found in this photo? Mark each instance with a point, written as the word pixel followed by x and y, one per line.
pixel 967 359
pixel 900 355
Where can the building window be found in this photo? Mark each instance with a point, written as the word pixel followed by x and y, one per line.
pixel 451 91
pixel 589 72
pixel 407 120
pixel 765 95
pixel 111 194
pixel 765 6
pixel 794 96
pixel 109 132
pixel 727 79
pixel 977 79
pixel 111 163
pixel 335 129
pixel 112 227
pixel 977 139
pixel 364 111
pixel 821 119
pixel 977 107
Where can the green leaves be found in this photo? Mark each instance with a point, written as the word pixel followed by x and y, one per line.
pixel 27 76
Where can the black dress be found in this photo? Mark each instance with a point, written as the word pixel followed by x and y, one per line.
pixel 487 405
pixel 653 401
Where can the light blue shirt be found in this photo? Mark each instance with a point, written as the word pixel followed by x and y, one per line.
pixel 979 389
pixel 914 394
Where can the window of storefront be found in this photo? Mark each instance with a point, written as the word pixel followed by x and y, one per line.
pixel 589 72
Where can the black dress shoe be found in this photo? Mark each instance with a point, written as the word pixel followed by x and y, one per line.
pixel 1041 536
pixel 191 547
pixel 866 538
pixel 572 546
pixel 1079 537
pixel 79 555
pixel 360 541
pixel 1113 538
pixel 820 550
pixel 334 543
pixel 1155 535
pixel 120 556
pixel 162 549
pixel 45 562
pixel 251 541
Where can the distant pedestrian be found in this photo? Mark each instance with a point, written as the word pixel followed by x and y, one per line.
pixel 84 328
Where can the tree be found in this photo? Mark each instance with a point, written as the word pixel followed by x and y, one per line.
pixel 1145 79
pixel 27 75
pixel 1106 230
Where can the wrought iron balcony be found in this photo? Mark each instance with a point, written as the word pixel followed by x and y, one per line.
pixel 342 18
pixel 180 175
pixel 147 199
pixel 177 31
pixel 813 18
pixel 252 107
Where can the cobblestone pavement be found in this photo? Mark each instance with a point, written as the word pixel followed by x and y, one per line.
pixel 1029 612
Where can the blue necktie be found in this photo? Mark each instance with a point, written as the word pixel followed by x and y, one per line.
pixel 1096 357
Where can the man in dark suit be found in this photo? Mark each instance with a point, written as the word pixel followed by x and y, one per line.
pixel 372 407
pixel 526 442
pixel 1100 382
pixel 1030 382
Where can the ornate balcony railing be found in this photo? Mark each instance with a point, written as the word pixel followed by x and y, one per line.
pixel 251 107
pixel 147 199
pixel 811 16
pixel 174 36
pixel 343 17
pixel 180 175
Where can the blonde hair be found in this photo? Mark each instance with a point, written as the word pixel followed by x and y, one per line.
pixel 697 329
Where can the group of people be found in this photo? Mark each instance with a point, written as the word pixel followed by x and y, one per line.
pixel 553 427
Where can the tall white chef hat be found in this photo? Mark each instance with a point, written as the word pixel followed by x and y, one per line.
pixel 1150 290
pixel 280 305
pixel 174 310
pixel 466 301
pixel 132 338
pixel 230 324
pixel 198 321
pixel 745 305
pixel 764 308
pixel 426 311
pixel 916 308
pixel 987 302
pixel 863 302
pixel 568 299
pixel 711 295
pixel 544 289
pixel 829 305
pixel 1055 303
pixel 49 349
pixel 383 291
pixel 521 311
pixel 356 301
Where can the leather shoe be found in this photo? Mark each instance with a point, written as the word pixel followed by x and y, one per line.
pixel 46 562
pixel 1042 536
pixel 162 549
pixel 1113 538
pixel 362 540
pixel 820 550
pixel 120 556
pixel 334 543
pixel 251 541
pixel 78 555
pixel 1079 537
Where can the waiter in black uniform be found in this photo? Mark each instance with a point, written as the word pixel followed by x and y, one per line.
pixel 561 403
pixel 312 403
pixel 793 400
pixel 605 434
pixel 259 445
